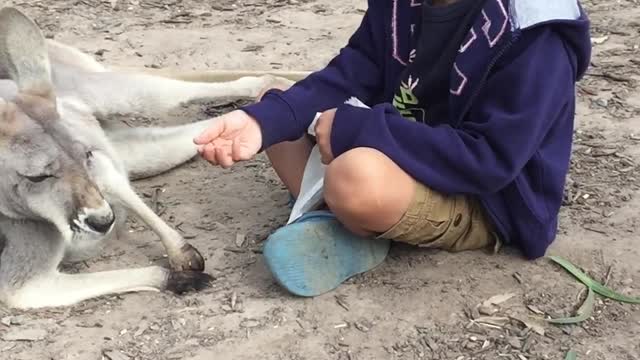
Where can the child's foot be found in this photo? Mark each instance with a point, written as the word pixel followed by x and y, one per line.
pixel 316 254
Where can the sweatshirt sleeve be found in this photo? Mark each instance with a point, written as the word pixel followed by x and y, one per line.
pixel 506 125
pixel 355 71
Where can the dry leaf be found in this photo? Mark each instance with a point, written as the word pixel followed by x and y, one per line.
pixel 494 321
pixel 240 239
pixel 490 306
pixel 234 299
pixel 498 299
pixel 531 323
pixel 535 310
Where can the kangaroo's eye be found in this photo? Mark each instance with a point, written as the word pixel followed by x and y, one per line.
pixel 38 179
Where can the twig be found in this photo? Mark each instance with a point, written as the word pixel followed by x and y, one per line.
pixel 611 77
pixel 236 250
pixel 154 199
pixel 342 302
pixel 242 251
pixel 176 21
pixel 595 230
pixel 607 277
pixel 604 152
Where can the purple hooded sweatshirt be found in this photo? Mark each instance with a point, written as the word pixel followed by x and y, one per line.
pixel 508 138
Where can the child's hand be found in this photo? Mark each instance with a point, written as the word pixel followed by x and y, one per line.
pixel 233 137
pixel 323 135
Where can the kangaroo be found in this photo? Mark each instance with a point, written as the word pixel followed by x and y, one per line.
pixel 65 172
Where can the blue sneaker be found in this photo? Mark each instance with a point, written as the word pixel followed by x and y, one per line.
pixel 315 254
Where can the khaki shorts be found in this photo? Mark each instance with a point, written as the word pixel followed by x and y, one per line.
pixel 450 223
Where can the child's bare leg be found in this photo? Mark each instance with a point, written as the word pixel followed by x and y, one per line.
pixel 317 253
pixel 368 194
pixel 367 191
pixel 371 195
pixel 288 160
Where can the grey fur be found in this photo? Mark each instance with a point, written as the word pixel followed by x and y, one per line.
pixel 64 186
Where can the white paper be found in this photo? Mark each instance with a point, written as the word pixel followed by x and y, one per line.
pixel 311 190
pixel 310 197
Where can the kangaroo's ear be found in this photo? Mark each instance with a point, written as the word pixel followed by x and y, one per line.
pixel 23 54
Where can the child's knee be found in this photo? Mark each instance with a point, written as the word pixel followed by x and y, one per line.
pixel 357 189
pixel 350 182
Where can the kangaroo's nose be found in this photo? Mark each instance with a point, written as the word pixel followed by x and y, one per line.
pixel 100 224
pixel 99 220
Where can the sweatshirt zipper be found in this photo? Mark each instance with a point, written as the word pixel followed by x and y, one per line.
pixel 500 227
pixel 483 79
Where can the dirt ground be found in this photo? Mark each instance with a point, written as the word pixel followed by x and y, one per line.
pixel 418 304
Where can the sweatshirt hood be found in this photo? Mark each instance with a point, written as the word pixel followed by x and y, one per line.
pixel 567 17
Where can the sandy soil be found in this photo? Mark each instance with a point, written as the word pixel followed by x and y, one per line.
pixel 419 304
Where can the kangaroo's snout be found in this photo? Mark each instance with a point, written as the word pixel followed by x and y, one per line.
pixel 95 220
pixel 93 212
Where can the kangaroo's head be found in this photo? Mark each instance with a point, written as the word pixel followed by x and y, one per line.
pixel 43 170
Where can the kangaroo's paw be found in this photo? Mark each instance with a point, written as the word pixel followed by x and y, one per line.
pixel 187 259
pixel 181 282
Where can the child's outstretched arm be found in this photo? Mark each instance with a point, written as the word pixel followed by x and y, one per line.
pixel 355 71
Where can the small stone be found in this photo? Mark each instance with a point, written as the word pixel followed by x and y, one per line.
pixel 6 321
pixel 602 102
pixel 240 239
pixel 249 323
pixel 18 320
pixel 361 327
pixel 514 342
pixel 12 320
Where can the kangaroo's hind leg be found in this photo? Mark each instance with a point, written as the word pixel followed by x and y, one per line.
pixel 121 93
pixel 150 151
pixel 58 289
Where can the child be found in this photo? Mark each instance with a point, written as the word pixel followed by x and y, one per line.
pixel 466 144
